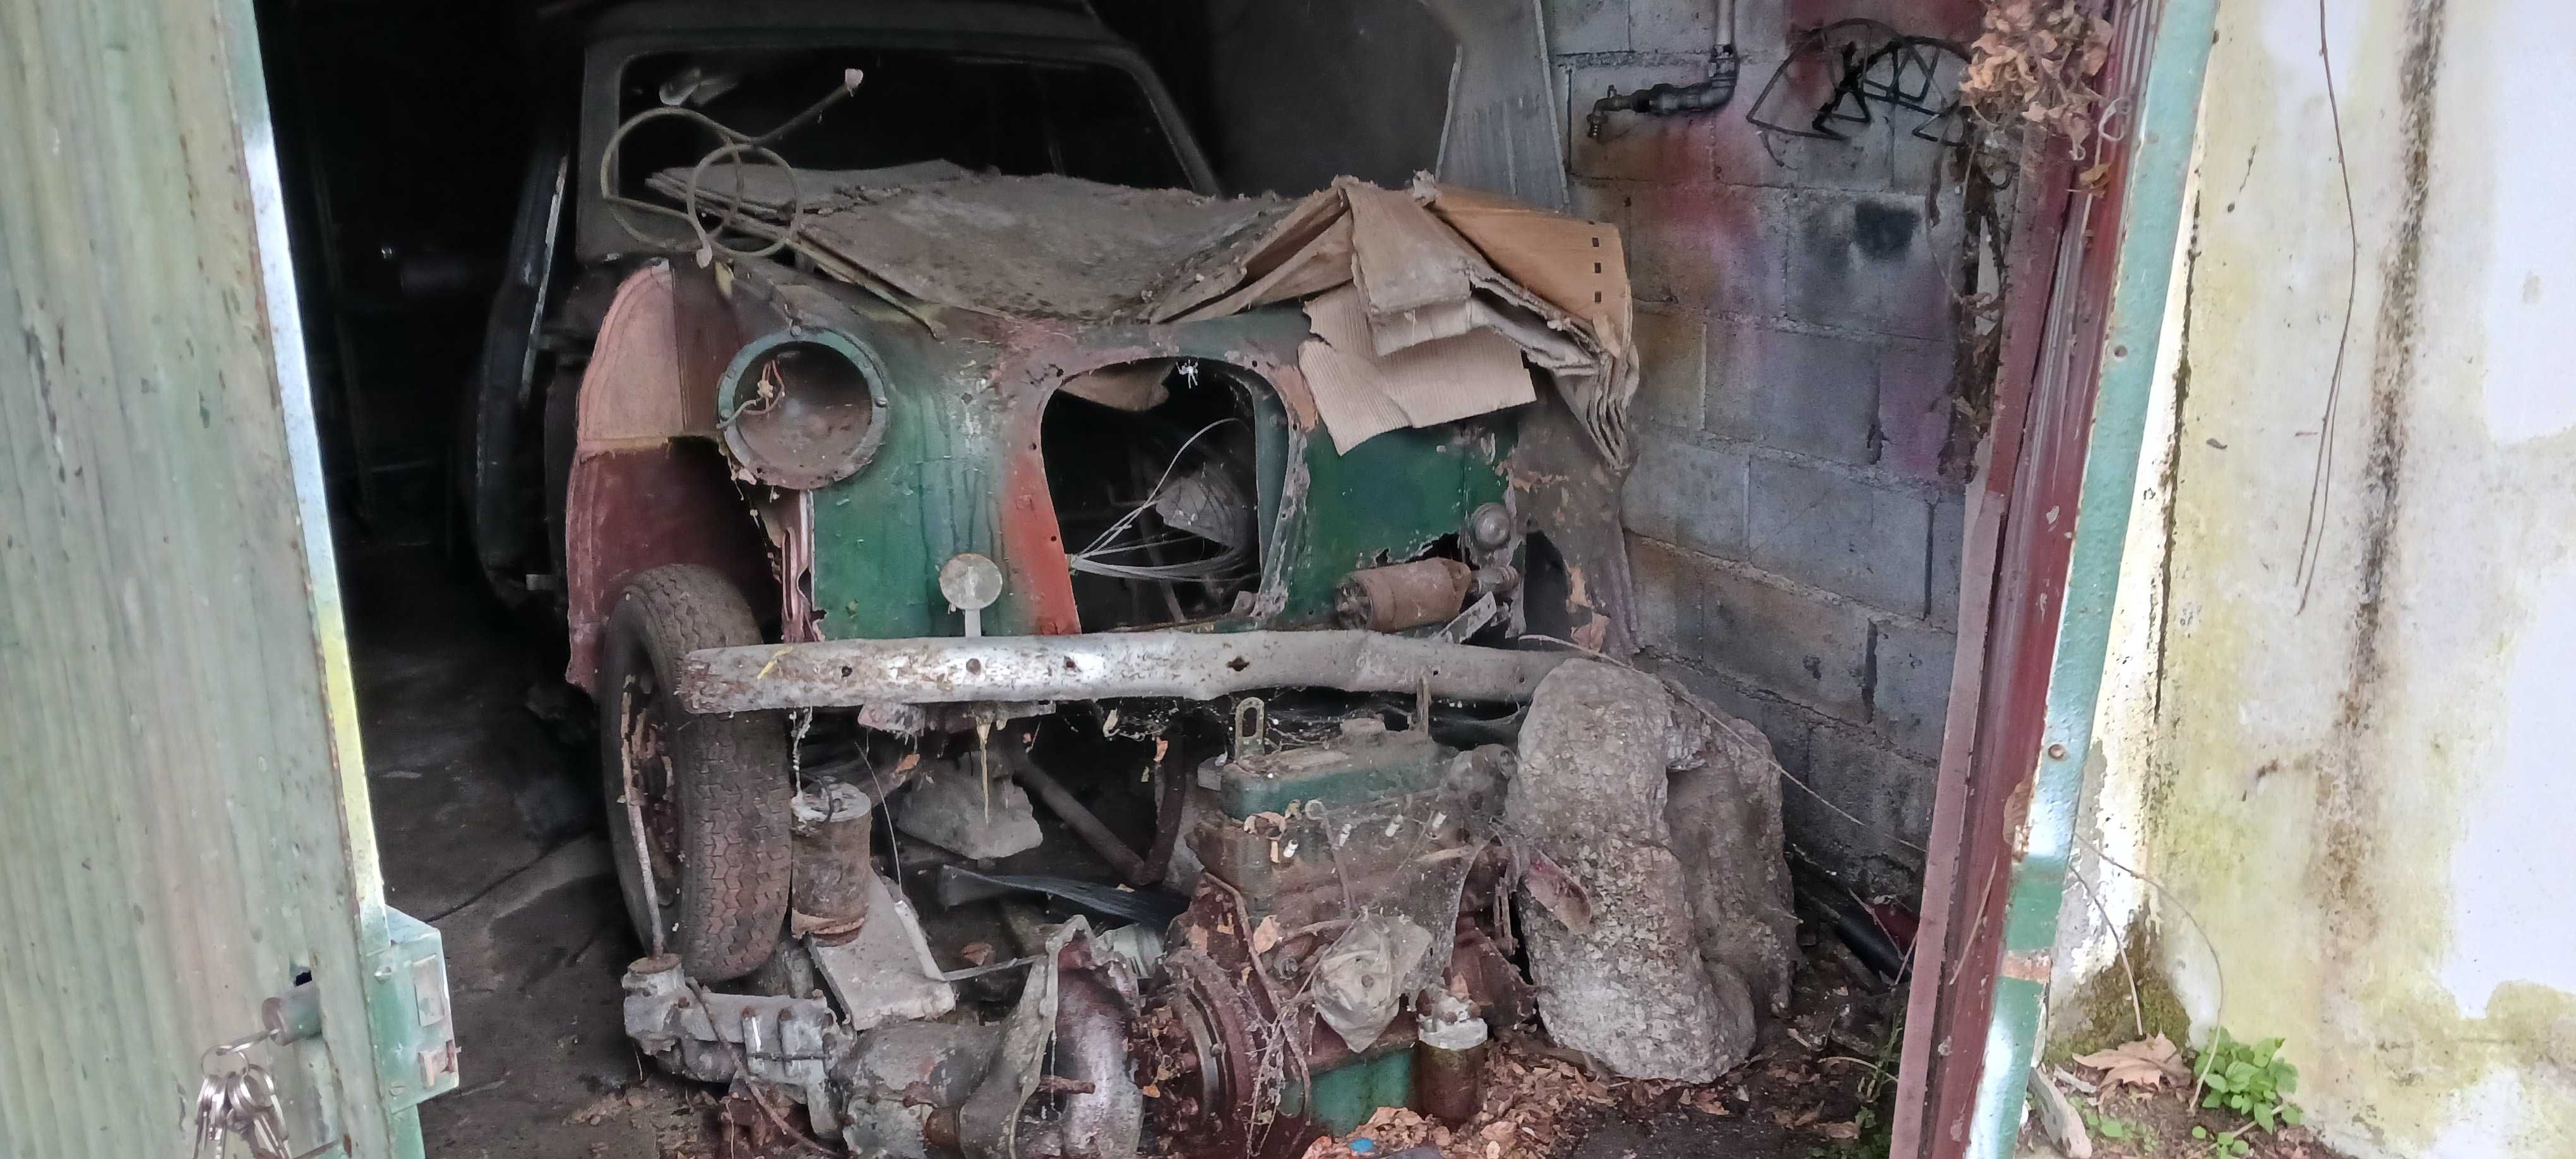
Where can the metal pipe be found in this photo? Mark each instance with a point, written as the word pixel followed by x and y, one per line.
pixel 1187 665
pixel 1052 793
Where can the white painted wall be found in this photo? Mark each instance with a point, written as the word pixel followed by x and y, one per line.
pixel 2362 806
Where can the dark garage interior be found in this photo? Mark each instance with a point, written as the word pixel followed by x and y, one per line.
pixel 1803 240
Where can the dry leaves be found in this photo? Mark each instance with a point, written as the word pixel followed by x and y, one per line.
pixel 2035 64
pixel 614 1104
pixel 1532 1103
pixel 2144 1064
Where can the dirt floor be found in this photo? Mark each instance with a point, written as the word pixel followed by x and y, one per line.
pixel 2125 1123
pixel 485 821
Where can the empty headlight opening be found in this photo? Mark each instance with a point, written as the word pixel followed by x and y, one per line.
pixel 803 412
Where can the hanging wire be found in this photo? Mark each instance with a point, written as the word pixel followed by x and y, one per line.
pixel 735 146
pixel 1090 559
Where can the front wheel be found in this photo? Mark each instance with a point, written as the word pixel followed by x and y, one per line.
pixel 697 804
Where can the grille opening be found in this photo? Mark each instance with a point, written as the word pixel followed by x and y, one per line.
pixel 1154 467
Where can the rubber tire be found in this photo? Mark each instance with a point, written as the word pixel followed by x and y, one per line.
pixel 730 777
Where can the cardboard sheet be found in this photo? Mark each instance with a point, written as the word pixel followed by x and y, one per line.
pixel 1578 266
pixel 1362 394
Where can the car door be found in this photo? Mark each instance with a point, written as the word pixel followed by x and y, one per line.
pixel 184 826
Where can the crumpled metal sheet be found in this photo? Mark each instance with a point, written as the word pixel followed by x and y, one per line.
pixel 1432 269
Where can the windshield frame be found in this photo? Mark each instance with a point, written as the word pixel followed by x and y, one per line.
pixel 598 236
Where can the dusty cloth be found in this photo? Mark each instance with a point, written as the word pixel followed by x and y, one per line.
pixel 954 812
pixel 1357 987
pixel 1635 989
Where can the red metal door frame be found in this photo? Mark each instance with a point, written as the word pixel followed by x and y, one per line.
pixel 2064 285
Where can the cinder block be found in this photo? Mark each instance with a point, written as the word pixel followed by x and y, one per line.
pixel 1786 725
pixel 1864 262
pixel 1672 368
pixel 1880 803
pixel 1917 163
pixel 1673 25
pixel 1637 146
pixel 1699 247
pixel 1762 30
pixel 1743 155
pixel 1917 402
pixel 1792 643
pixel 1771 27
pixel 1910 689
pixel 1587 25
pixel 1838 533
pixel 1687 495
pixel 1671 598
pixel 1816 394
pixel 1942 581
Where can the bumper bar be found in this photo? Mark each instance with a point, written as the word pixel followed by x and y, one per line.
pixel 1188 665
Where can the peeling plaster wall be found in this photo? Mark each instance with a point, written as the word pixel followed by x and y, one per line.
pixel 1793 522
pixel 2360 809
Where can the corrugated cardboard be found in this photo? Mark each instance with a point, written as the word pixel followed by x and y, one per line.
pixel 1361 394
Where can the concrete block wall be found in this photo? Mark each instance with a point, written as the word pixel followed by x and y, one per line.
pixel 1793 523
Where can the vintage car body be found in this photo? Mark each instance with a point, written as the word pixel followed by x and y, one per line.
pixel 956 465
pixel 962 469
pixel 569 252
pixel 847 551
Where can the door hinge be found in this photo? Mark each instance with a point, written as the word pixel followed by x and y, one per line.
pixel 412 1023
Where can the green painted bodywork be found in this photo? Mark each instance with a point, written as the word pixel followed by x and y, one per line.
pixel 1386 500
pixel 960 412
pixel 1347 1095
pixel 1351 772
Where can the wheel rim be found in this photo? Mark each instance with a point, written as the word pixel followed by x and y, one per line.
pixel 647 807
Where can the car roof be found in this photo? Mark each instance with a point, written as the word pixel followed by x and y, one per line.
pixel 1068 20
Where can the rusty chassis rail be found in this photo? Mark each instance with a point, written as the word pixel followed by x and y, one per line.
pixel 1188 665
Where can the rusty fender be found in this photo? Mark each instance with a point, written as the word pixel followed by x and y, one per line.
pixel 1188 665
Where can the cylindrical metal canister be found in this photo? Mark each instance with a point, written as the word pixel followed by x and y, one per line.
pixel 832 876
pixel 1404 595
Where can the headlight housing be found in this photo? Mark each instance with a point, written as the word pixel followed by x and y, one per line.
pixel 802 408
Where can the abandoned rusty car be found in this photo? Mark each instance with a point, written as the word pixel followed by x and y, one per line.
pixel 1060 646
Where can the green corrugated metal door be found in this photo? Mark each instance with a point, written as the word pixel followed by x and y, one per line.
pixel 183 818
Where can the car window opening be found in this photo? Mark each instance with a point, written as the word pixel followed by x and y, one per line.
pixel 987 113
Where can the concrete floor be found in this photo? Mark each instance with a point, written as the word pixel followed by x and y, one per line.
pixel 485 825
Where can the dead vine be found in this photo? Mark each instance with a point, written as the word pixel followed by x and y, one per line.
pixel 2034 65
